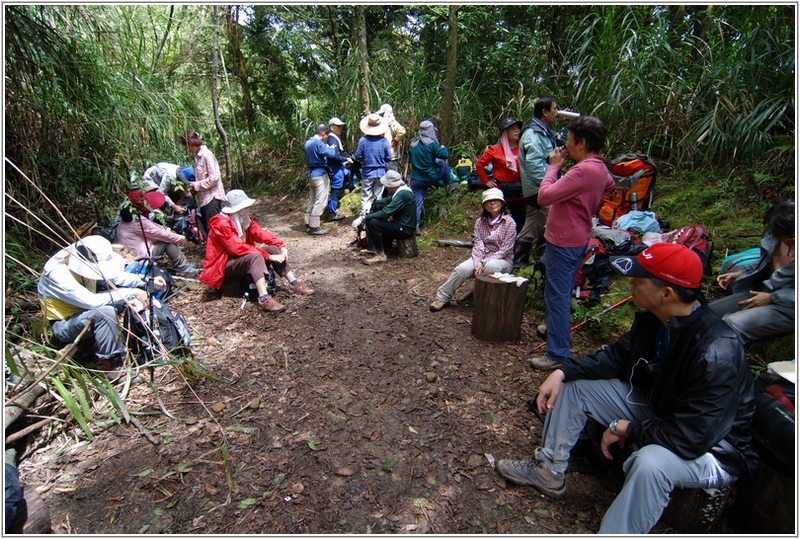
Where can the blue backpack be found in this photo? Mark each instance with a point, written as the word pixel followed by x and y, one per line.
pixel 730 263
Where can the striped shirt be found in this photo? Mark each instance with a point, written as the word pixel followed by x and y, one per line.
pixel 209 179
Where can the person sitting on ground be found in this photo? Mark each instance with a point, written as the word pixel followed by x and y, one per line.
pixel 87 279
pixel 231 251
pixel 492 251
pixel 423 153
pixel 761 303
pixel 172 181
pixel 147 238
pixel 395 220
pixel 503 158
pixel 677 387
pixel 374 152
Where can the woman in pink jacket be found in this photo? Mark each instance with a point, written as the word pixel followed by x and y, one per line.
pixel 146 238
pixel 573 201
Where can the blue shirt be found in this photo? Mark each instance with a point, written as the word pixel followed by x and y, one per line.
pixel 316 154
pixel 373 152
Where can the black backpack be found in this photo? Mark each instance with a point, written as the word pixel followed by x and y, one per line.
pixel 168 334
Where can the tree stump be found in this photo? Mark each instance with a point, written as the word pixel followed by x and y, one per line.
pixel 497 309
pixel 407 248
pixel 697 510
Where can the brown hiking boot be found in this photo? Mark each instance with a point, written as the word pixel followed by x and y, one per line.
pixel 535 474
pixel 271 305
pixel 300 288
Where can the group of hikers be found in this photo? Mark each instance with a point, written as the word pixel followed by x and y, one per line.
pixel 676 387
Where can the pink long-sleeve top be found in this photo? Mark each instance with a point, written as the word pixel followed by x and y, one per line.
pixel 209 178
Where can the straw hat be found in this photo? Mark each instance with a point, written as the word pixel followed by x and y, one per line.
pixel 237 201
pixel 372 124
pixel 94 258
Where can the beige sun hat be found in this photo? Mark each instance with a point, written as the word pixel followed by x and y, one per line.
pixel 372 124
pixel 94 258
pixel 237 201
pixel 492 193
pixel 336 121
pixel 392 179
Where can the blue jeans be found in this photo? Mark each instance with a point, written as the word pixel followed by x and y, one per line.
pixel 561 266
pixel 337 182
pixel 419 199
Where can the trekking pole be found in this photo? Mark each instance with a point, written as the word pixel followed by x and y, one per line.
pixel 576 326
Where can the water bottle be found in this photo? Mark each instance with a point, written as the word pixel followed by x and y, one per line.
pixel 568 114
pixel 634 201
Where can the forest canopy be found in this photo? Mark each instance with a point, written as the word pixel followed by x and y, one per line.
pixel 97 92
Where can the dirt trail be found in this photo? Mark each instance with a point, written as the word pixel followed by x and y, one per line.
pixel 355 411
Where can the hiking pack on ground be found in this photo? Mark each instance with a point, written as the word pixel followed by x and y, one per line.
pixel 153 336
pixel 635 176
pixel 696 238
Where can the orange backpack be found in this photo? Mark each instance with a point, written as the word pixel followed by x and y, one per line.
pixel 635 176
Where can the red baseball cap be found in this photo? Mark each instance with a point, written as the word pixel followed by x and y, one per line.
pixel 146 202
pixel 670 262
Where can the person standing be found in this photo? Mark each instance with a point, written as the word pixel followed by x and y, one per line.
pixel 373 152
pixel 317 154
pixel 423 153
pixel 574 198
pixel 338 166
pixel 208 179
pixel 502 157
pixel 535 144
pixel 394 134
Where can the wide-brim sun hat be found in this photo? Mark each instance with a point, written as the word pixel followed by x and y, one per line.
pixel 93 257
pixel 392 179
pixel 372 124
pixel 492 193
pixel 146 202
pixel 237 200
pixel 508 122
pixel 336 121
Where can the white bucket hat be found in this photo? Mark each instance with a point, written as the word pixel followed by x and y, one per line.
pixel 336 121
pixel 492 193
pixel 392 179
pixel 237 201
pixel 93 257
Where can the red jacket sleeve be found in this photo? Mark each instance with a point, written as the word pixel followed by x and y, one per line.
pixel 257 234
pixel 484 160
pixel 233 244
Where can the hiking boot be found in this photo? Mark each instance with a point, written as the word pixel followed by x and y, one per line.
pixel 377 259
pixel 533 474
pixel 437 306
pixel 544 363
pixel 269 304
pixel 188 269
pixel 417 231
pixel 300 288
pixel 541 330
pixel 317 231
pixel 338 216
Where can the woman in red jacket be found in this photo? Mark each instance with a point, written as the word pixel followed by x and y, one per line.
pixel 505 169
pixel 231 251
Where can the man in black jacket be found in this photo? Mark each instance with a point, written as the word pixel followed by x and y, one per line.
pixel 677 386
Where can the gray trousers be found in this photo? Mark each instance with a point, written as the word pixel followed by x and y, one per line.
pixel 463 271
pixel 756 323
pixel 319 186
pixel 651 472
pixel 535 221
pixel 371 190
pixel 104 328
pixel 173 252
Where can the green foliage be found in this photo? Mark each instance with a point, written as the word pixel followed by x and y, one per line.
pixel 451 210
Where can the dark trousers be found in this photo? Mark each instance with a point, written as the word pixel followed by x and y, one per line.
pixel 207 212
pixel 381 233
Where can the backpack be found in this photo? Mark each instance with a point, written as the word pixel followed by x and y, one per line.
pixel 248 289
pixel 635 176
pixel 696 238
pixel 773 422
pixel 734 261
pixel 93 228
pixel 169 329
pixel 595 270
pixel 463 168
pixel 142 267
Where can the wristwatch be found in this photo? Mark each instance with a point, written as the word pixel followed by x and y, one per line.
pixel 613 427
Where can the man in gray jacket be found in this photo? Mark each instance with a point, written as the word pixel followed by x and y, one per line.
pixel 535 143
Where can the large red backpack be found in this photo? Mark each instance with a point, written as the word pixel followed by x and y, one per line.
pixel 635 176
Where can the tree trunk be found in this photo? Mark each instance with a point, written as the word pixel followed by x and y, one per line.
pixel 450 85
pixel 361 38
pixel 214 95
pixel 232 15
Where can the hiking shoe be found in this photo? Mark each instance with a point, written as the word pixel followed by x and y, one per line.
pixel 367 252
pixel 417 231
pixel 188 269
pixel 300 288
pixel 544 363
pixel 271 305
pixel 377 259
pixel 541 330
pixel 338 216
pixel 437 306
pixel 115 370
pixel 316 231
pixel 533 474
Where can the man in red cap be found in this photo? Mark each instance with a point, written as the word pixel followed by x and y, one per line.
pixel 676 387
